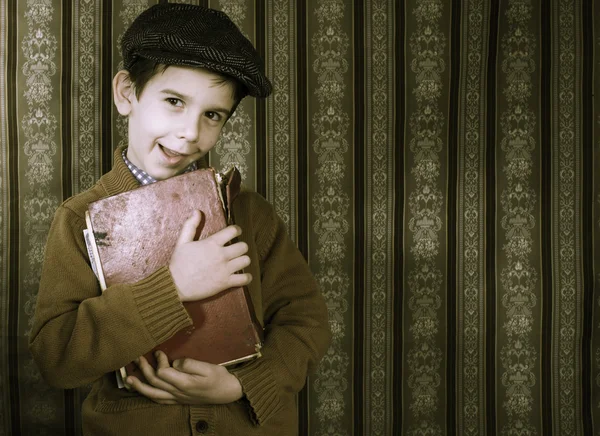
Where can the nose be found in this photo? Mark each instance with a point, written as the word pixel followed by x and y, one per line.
pixel 189 129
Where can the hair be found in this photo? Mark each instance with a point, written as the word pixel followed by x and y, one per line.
pixel 143 69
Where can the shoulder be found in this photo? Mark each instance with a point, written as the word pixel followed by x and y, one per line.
pixel 78 203
pixel 252 212
pixel 252 202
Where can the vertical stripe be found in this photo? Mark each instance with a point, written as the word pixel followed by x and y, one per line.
pixel 260 142
pixel 38 112
pixel 517 222
pixel 106 104
pixel 489 240
pixel 330 177
pixel 587 210
pixel 238 141
pixel 298 176
pixel 86 102
pixel 5 387
pixel 10 215
pixel 282 146
pixel 302 129
pixel 427 60
pixel 566 207
pixel 362 313
pixel 472 141
pixel 595 114
pixel 399 180
pixel 546 223
pixel 66 99
pixel 452 322
pixel 376 203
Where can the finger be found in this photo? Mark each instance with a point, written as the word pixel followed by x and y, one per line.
pixel 188 230
pixel 152 376
pixel 192 366
pixel 240 279
pixel 225 235
pixel 236 250
pixel 183 382
pixel 154 394
pixel 162 360
pixel 239 263
pixel 188 374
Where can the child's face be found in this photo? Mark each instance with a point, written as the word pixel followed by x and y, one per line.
pixel 176 120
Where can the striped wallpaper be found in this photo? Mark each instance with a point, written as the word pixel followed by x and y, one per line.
pixel 437 162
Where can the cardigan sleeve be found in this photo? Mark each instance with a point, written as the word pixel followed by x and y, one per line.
pixel 297 332
pixel 80 333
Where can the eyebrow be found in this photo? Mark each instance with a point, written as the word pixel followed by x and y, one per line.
pixel 181 96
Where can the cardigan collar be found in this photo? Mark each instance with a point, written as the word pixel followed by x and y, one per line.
pixel 120 178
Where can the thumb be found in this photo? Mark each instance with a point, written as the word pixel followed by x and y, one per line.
pixel 188 230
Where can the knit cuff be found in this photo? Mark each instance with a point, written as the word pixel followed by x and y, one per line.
pixel 260 389
pixel 159 305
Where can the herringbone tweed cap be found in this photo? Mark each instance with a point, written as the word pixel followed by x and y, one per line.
pixel 182 34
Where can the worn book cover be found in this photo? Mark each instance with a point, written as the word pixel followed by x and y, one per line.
pixel 131 235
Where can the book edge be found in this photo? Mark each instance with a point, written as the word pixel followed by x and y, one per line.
pixel 94 251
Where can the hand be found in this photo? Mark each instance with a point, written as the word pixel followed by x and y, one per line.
pixel 188 381
pixel 206 267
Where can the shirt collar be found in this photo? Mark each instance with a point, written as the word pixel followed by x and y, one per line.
pixel 142 176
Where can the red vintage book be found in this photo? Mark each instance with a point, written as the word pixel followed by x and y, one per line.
pixel 134 234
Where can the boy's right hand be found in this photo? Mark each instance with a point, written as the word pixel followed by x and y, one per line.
pixel 206 267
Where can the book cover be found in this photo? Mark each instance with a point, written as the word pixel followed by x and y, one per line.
pixel 132 234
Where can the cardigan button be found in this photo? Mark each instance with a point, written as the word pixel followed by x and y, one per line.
pixel 201 426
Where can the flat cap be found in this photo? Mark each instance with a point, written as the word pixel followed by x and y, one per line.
pixel 182 34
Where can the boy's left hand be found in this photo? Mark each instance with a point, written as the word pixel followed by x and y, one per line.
pixel 188 381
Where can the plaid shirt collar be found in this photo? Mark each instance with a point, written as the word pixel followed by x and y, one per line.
pixel 142 176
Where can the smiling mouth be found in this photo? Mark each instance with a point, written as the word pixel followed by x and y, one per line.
pixel 171 153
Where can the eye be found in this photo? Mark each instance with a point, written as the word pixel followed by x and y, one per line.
pixel 213 115
pixel 174 101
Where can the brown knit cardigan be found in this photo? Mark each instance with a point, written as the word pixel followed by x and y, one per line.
pixel 82 336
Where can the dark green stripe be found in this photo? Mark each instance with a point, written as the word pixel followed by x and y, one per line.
pixel 261 108
pixel 359 218
pixel 302 90
pixel 302 168
pixel 398 351
pixel 546 213
pixel 452 210
pixel 106 93
pixel 13 212
pixel 66 98
pixel 490 224
pixel 587 225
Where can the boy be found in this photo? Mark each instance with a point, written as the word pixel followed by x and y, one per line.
pixel 185 70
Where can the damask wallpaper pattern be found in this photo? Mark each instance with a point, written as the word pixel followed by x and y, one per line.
pixel 438 164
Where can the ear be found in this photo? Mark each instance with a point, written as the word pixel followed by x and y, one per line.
pixel 123 93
